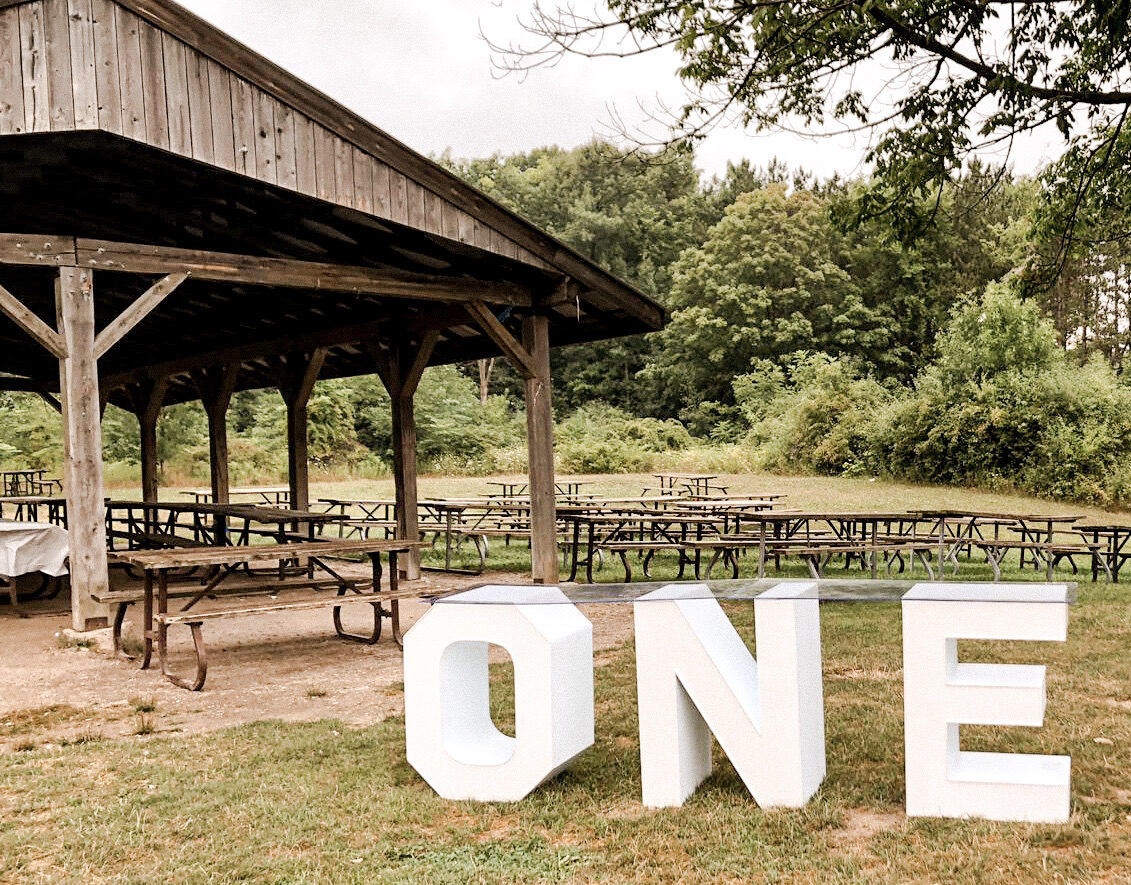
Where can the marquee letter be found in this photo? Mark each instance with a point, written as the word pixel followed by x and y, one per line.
pixel 451 740
pixel 940 694
pixel 694 673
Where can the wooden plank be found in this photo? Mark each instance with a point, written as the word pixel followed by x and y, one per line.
pixel 33 44
pixel 306 176
pixel 223 125
pixel 190 557
pixel 243 122
pixel 540 448
pixel 82 447
pixel 398 197
pixel 27 320
pixel 40 251
pixel 11 74
pixel 481 236
pixel 414 194
pixel 130 73
pixel 362 181
pixel 136 312
pixel 433 221
pixel 285 153
pixel 57 40
pixel 515 353
pixel 107 76
pixel 266 163
pixel 153 86
pixel 343 172
pixel 382 200
pixel 200 107
pixel 466 228
pixel 254 270
pixel 324 164
pixel 177 96
pixel 83 65
pixel 449 220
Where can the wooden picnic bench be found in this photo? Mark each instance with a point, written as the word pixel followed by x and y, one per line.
pixel 222 563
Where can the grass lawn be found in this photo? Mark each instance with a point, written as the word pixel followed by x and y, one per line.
pixel 274 803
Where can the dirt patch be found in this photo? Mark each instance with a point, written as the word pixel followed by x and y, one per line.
pixel 860 826
pixel 286 665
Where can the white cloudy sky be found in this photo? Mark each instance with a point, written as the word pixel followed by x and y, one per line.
pixel 420 70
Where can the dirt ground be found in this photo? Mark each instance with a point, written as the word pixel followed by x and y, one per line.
pixel 287 666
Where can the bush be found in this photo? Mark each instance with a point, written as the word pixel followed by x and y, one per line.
pixel 822 424
pixel 1011 413
pixel 600 438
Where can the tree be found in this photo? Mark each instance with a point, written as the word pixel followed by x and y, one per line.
pixel 631 214
pixel 968 75
pixel 769 283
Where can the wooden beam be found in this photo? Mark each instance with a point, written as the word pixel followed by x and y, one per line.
pixel 82 448
pixel 32 324
pixel 136 312
pixel 540 448
pixel 216 387
pixel 37 251
pixel 518 356
pixel 410 380
pixel 51 401
pixel 297 375
pixel 285 272
pixel 147 398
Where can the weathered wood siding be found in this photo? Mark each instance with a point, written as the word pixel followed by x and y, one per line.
pixel 93 64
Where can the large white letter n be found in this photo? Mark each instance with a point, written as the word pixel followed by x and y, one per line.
pixel 696 677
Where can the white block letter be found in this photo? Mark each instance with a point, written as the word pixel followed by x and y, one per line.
pixel 940 694
pixel 695 677
pixel 451 740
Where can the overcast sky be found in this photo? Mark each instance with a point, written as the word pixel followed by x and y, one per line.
pixel 420 70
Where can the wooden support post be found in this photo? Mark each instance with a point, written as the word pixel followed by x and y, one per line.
pixel 401 369
pixel 148 397
pixel 540 445
pixel 82 447
pixel 216 386
pixel 297 375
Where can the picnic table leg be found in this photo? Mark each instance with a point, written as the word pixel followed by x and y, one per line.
pixel 197 682
pixel 378 612
pixel 147 622
pixel 589 555
pixel 573 554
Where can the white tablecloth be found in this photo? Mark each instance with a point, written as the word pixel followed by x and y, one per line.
pixel 27 547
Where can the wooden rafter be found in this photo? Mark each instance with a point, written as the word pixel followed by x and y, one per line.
pixel 32 324
pixel 518 355
pixel 285 272
pixel 37 251
pixel 136 312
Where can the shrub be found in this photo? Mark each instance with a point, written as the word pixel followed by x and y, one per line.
pixel 822 424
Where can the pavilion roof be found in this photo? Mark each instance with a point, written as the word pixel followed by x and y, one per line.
pixel 137 140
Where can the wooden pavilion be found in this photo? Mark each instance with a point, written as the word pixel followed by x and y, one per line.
pixel 181 219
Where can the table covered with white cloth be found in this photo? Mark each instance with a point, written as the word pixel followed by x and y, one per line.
pixel 30 547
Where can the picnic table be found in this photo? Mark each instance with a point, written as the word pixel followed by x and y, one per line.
pixel 223 563
pixel 30 548
pixel 1112 541
pixel 271 496
pixel 20 483
pixel 35 508
pixel 698 484
pixel 144 524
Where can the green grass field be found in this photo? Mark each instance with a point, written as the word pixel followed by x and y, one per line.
pixel 323 803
